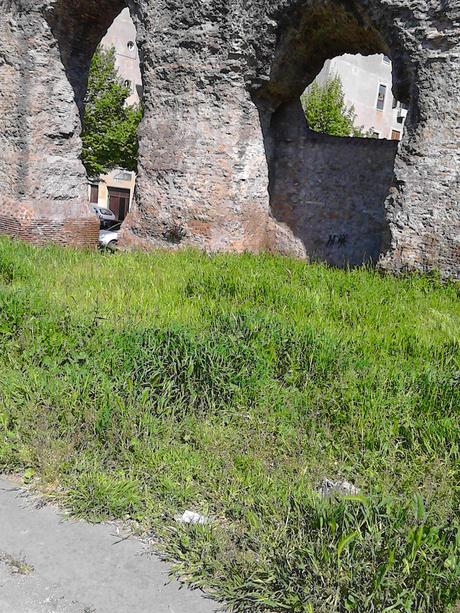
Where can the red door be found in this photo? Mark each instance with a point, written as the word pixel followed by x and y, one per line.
pixel 119 202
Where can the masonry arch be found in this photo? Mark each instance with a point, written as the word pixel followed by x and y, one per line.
pixel 293 41
pixel 329 191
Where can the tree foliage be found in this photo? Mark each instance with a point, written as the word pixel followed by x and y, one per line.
pixel 109 125
pixel 326 111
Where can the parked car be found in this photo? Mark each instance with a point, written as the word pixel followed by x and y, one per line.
pixel 106 216
pixel 108 239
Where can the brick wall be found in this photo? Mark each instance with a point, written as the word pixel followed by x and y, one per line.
pixel 50 223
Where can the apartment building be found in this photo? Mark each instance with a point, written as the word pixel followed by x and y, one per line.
pixel 367 86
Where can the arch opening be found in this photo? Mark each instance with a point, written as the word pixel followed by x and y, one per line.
pixel 330 191
pixel 111 117
pixel 102 63
pixel 48 48
pixel 79 29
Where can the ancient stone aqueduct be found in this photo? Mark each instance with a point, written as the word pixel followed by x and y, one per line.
pixel 227 161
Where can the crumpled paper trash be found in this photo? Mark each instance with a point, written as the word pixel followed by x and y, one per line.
pixel 190 517
pixel 330 487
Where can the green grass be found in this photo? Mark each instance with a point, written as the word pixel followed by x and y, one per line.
pixel 142 385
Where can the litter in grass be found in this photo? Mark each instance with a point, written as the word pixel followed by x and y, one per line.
pixel 190 517
pixel 330 487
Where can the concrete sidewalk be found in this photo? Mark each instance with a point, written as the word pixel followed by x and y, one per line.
pixel 52 565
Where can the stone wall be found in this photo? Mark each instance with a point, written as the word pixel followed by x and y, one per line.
pixel 43 185
pixel 217 75
pixel 330 191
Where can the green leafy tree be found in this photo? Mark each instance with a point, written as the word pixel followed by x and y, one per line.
pixel 109 125
pixel 326 110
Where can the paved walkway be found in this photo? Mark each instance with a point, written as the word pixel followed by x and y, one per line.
pixel 52 565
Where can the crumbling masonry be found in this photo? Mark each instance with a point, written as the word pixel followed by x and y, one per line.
pixel 227 161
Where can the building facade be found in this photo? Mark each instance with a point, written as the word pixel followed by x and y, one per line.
pixel 122 36
pixel 367 85
pixel 115 189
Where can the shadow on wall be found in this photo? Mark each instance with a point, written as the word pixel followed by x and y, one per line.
pixel 330 191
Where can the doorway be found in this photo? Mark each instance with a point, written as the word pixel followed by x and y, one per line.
pixel 119 202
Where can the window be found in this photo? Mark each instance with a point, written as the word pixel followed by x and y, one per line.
pixel 94 196
pixel 386 59
pixel 395 135
pixel 375 134
pixel 381 97
pixel 128 84
pixel 130 45
pixel 394 104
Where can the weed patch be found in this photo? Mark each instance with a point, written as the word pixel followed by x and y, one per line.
pixel 144 385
